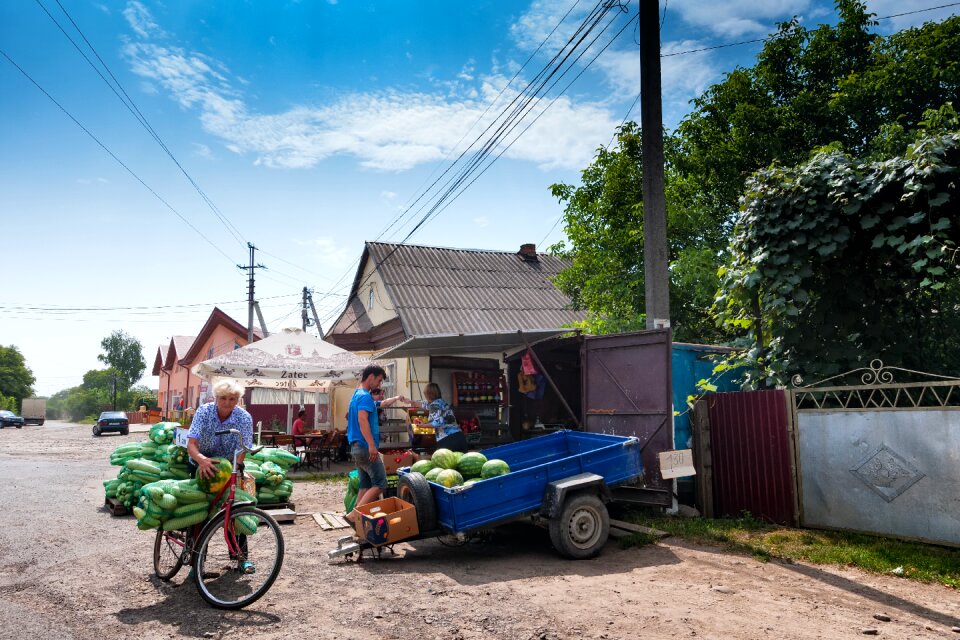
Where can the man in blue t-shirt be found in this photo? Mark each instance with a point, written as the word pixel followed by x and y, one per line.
pixel 363 434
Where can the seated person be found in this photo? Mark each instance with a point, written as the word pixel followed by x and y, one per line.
pixel 298 429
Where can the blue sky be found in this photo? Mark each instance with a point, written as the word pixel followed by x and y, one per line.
pixel 310 126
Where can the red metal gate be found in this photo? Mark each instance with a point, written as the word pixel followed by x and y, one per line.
pixel 626 391
pixel 751 455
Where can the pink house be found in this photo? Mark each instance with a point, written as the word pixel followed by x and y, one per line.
pixel 178 388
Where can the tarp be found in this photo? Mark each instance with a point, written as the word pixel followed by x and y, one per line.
pixel 291 359
pixel 468 343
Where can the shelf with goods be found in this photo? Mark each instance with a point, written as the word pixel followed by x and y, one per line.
pixel 476 389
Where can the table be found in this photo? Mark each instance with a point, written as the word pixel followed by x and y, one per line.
pixel 311 443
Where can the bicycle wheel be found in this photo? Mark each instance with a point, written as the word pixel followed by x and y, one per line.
pixel 218 565
pixel 169 549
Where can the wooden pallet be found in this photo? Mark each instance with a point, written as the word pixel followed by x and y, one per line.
pixel 277 506
pixel 624 529
pixel 329 521
pixel 115 507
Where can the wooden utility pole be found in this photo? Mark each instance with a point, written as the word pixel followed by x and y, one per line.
pixel 655 258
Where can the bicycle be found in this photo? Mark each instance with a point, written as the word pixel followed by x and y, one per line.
pixel 218 550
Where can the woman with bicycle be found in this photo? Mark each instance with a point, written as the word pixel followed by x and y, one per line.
pixel 204 444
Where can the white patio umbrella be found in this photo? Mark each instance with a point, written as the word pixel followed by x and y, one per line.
pixel 290 359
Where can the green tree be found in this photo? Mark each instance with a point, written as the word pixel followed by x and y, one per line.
pixel 603 220
pixel 836 261
pixel 124 353
pixel 16 379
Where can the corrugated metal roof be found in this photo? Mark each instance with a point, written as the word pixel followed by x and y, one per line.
pixel 438 290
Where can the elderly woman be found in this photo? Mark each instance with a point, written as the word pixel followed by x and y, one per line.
pixel 203 443
pixel 223 413
pixel 449 435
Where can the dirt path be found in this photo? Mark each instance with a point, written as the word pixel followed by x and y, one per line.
pixel 70 570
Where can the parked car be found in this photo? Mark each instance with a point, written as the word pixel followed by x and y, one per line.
pixel 10 419
pixel 112 421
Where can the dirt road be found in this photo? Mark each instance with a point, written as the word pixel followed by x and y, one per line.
pixel 70 570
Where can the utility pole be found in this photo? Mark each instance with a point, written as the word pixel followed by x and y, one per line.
pixel 655 258
pixel 304 322
pixel 250 301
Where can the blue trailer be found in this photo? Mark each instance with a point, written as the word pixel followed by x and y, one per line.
pixel 562 480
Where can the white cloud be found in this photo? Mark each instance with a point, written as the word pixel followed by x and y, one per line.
pixel 738 18
pixel 892 7
pixel 481 221
pixel 202 150
pixel 327 251
pixel 388 195
pixel 140 20
pixel 387 130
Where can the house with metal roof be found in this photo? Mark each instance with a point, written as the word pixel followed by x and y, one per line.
pixel 437 310
pixel 219 334
pixel 415 300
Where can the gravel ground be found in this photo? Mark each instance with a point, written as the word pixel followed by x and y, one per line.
pixel 70 570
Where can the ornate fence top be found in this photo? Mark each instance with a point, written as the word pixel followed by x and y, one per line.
pixel 875 387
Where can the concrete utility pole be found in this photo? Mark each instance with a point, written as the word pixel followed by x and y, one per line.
pixel 655 258
pixel 304 322
pixel 250 301
pixel 308 300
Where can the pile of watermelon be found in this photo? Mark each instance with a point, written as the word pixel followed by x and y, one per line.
pixel 453 469
pixel 154 468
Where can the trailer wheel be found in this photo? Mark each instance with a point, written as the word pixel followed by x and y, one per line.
pixel 582 528
pixel 414 488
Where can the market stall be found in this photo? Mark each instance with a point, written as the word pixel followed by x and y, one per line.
pixel 291 361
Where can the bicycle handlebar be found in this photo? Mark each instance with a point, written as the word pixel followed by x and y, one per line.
pixel 240 436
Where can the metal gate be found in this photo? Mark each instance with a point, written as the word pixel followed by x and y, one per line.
pixel 750 457
pixel 880 456
pixel 626 391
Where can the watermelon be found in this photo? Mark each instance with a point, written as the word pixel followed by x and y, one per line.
pixel 494 468
pixel 458 455
pixel 422 466
pixel 449 478
pixel 219 481
pixel 468 483
pixel 432 474
pixel 471 464
pixel 444 458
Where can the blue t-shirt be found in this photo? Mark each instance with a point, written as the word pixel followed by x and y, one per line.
pixel 362 401
pixel 206 422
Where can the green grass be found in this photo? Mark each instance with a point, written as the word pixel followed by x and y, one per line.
pixel 921 562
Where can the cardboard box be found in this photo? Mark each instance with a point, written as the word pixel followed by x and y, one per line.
pixel 396 458
pixel 386 521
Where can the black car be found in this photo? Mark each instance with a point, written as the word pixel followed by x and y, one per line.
pixel 10 419
pixel 112 421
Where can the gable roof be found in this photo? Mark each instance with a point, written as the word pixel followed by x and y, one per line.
pixel 217 318
pixel 442 291
pixel 178 345
pixel 158 361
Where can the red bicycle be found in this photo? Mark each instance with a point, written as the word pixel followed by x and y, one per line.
pixel 236 555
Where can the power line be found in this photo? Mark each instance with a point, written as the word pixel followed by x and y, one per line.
pixel 131 106
pixel 506 128
pixel 149 307
pixel 518 111
pixel 780 35
pixel 114 156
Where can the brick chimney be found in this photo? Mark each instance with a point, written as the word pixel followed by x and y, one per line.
pixel 528 253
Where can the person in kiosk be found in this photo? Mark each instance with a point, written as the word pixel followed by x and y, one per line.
pixel 203 443
pixel 363 433
pixel 449 435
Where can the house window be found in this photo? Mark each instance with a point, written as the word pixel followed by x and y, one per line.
pixel 236 345
pixel 209 353
pixel 370 299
